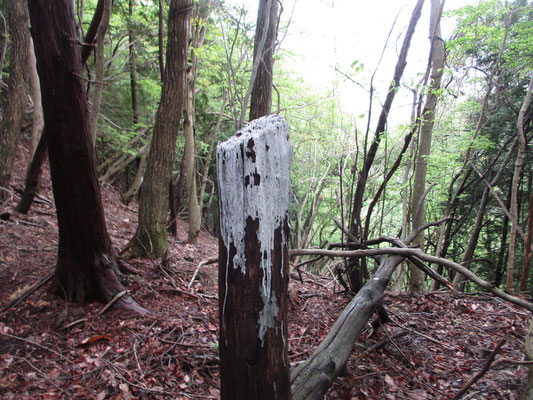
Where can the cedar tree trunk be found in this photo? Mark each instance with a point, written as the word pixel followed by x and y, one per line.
pixel 150 238
pixel 86 266
pixel 11 116
pixel 33 174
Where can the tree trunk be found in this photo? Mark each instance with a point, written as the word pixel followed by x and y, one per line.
pixel 528 350
pixel 311 379
pixel 38 119
pixel 355 224
pixel 3 44
pixel 194 203
pixel 205 172
pixel 150 237
pixel 424 143
pixel 178 195
pixel 33 176
pixel 12 114
pixel 86 266
pixel 133 67
pixel 137 181
pixel 357 204
pixel 172 226
pixel 99 75
pixel 161 48
pixel 90 38
pixel 514 192
pixel 254 185
pixel 468 254
pixel 527 256
pixel 267 24
pixel 195 214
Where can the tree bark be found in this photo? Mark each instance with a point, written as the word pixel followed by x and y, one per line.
pixel 417 282
pixel 267 24
pixel 195 214
pixel 254 187
pixel 12 114
pixel 194 203
pixel 99 75
pixel 527 256
pixel 514 192
pixel 133 68
pixel 161 48
pixel 150 237
pixel 86 266
pixel 33 174
pixel 38 118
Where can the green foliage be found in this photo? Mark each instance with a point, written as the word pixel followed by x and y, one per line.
pixel 481 31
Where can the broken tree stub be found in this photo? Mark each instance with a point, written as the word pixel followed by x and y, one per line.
pixel 253 170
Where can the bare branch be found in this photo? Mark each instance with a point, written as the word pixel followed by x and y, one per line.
pixel 423 256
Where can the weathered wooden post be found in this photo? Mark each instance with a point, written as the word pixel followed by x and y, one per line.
pixel 254 183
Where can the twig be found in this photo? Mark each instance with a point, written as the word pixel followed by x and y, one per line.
pixel 36 345
pixel 27 293
pixel 211 260
pixel 420 265
pixel 114 299
pixel 391 339
pixel 511 361
pixel 44 375
pixel 482 372
pixel 382 343
pixel 73 323
pixel 424 336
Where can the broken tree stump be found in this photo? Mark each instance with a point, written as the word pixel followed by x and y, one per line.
pixel 254 185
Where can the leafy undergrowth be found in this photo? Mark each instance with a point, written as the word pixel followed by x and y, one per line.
pixel 50 349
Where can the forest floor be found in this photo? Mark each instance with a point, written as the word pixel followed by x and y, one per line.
pixel 50 349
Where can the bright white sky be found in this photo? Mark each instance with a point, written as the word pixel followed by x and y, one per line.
pixel 325 34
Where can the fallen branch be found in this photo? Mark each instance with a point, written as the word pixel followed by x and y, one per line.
pixel 113 300
pixel 311 379
pixel 211 260
pixel 423 256
pixel 420 265
pixel 27 293
pixel 382 343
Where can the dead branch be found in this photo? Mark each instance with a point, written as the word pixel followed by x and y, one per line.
pixel 419 264
pixel 382 343
pixel 27 293
pixel 423 256
pixel 211 260
pixel 415 233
